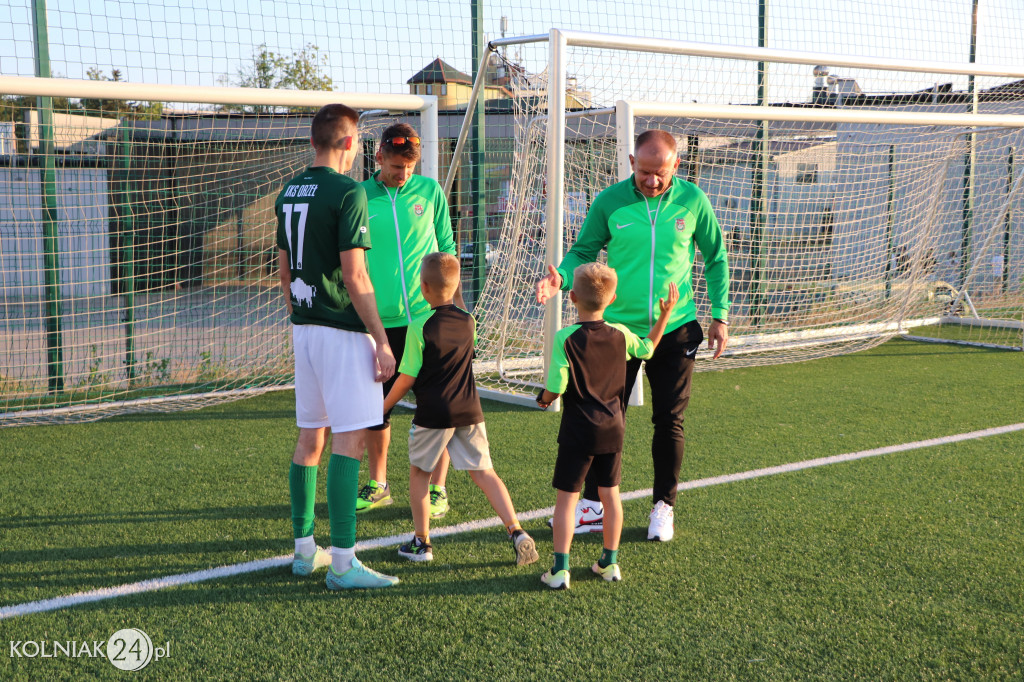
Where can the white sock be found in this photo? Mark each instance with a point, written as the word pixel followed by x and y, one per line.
pixel 305 546
pixel 341 559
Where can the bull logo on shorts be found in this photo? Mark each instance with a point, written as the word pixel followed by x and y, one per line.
pixel 418 209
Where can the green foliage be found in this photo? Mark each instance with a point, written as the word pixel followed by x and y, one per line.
pixel 302 70
pixel 13 108
pixel 154 371
pixel 117 108
pixel 95 376
pixel 210 369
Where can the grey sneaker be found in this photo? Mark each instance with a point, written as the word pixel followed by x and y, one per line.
pixel 357 578
pixel 373 495
pixel 305 565
pixel 525 547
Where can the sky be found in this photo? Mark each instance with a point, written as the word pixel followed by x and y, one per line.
pixel 375 46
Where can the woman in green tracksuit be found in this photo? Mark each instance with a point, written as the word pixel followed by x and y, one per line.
pixel 652 224
pixel 408 219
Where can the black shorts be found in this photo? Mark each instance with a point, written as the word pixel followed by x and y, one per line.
pixel 396 339
pixel 571 469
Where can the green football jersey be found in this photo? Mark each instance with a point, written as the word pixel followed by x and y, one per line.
pixel 320 213
pixel 406 223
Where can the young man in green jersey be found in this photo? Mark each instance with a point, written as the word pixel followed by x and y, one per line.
pixel 438 368
pixel 652 224
pixel 341 350
pixel 408 219
pixel 588 366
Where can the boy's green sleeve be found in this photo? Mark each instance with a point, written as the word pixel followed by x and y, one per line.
pixel 636 346
pixel 412 358
pixel 558 370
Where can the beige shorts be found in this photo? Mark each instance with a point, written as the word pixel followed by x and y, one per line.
pixel 467 446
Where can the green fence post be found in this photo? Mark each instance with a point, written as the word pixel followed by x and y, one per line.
pixel 127 225
pixel 478 181
pixel 1008 221
pixel 972 141
pixel 889 220
pixel 758 208
pixel 48 181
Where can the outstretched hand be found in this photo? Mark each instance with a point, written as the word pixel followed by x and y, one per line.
pixel 673 298
pixel 549 285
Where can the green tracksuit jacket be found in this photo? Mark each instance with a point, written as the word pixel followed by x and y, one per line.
pixel 406 223
pixel 652 242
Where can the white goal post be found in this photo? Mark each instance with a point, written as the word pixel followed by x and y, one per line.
pixel 918 179
pixel 138 266
pixel 89 89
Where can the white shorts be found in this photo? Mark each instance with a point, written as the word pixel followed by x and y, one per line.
pixel 335 373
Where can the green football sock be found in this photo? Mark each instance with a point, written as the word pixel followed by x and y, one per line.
pixel 561 563
pixel 342 488
pixel 302 481
pixel 608 557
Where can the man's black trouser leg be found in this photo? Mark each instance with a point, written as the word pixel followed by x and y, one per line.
pixel 669 373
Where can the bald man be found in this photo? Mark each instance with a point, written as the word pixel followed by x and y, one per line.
pixel 652 224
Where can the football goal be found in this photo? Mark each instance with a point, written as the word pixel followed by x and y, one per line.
pixel 856 207
pixel 138 270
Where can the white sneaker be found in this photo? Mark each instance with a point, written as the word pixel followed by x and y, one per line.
pixel 662 528
pixel 589 517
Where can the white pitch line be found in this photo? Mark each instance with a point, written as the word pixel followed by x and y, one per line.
pixel 469 526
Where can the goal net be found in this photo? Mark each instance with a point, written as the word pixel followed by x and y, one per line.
pixel 855 207
pixel 139 261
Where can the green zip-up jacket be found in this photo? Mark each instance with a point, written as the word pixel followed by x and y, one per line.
pixel 406 223
pixel 652 242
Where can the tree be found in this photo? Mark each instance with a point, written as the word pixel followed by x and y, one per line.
pixel 269 70
pixel 13 108
pixel 118 108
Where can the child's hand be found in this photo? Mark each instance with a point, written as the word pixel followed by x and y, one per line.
pixel 673 298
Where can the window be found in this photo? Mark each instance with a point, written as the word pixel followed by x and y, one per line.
pixel 430 89
pixel 444 89
pixel 806 173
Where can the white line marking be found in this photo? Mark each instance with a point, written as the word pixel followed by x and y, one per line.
pixel 469 526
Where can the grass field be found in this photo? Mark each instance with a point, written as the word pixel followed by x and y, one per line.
pixel 902 566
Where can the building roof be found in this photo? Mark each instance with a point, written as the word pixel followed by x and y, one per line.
pixel 440 71
pixel 941 93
